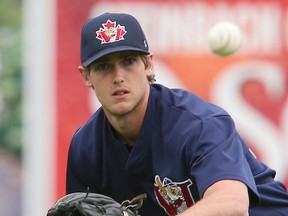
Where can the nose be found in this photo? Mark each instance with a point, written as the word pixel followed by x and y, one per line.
pixel 118 74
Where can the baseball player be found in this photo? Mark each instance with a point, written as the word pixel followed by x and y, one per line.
pixel 183 152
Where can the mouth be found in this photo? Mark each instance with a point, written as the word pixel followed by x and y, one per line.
pixel 120 92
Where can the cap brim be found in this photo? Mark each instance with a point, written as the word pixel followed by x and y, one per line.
pixel 112 50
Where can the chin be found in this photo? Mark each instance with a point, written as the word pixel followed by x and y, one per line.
pixel 120 110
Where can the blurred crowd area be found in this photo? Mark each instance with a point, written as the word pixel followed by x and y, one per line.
pixel 10 106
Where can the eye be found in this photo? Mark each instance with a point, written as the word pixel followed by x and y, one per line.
pixel 102 67
pixel 129 61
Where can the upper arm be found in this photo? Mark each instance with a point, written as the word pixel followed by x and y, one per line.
pixel 219 153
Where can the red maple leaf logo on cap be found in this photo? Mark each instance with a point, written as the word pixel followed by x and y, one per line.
pixel 110 32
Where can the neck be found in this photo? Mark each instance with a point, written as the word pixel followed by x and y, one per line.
pixel 128 126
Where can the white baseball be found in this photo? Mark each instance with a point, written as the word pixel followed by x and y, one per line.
pixel 224 38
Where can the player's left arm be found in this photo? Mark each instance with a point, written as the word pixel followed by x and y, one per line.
pixel 225 198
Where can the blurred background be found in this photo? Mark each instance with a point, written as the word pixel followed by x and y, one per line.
pixel 10 106
pixel 43 100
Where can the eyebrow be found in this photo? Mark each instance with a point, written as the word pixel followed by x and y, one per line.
pixel 101 60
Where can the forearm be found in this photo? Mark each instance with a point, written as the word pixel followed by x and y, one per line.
pixel 214 206
pixel 224 198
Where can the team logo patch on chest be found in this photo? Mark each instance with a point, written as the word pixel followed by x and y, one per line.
pixel 173 197
pixel 111 32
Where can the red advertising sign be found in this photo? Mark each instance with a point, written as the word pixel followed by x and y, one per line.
pixel 251 85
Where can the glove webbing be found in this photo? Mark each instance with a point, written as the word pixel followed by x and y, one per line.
pixel 132 205
pixel 135 203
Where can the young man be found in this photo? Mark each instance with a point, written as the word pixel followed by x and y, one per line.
pixel 146 138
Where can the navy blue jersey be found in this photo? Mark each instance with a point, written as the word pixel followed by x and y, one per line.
pixel 184 146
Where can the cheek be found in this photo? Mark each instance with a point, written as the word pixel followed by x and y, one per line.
pixel 139 80
pixel 98 84
pixel 141 84
pixel 99 92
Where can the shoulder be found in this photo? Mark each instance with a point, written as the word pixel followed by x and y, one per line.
pixel 185 101
pixel 94 123
pixel 178 111
pixel 98 116
pixel 84 140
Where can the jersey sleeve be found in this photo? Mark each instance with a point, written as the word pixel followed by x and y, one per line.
pixel 218 155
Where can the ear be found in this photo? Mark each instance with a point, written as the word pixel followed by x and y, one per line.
pixel 85 74
pixel 150 64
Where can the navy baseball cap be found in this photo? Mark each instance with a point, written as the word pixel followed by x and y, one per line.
pixel 109 33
